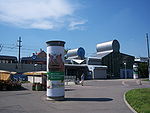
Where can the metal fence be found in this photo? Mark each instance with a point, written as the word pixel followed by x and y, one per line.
pixel 70 78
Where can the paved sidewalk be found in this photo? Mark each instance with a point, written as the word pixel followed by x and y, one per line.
pixel 97 96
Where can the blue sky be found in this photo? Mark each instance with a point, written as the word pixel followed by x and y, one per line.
pixel 80 23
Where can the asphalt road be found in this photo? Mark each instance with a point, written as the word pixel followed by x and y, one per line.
pixel 96 96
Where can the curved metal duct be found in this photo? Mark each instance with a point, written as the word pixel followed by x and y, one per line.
pixel 107 46
pixel 79 52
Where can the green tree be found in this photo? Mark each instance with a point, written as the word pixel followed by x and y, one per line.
pixel 143 70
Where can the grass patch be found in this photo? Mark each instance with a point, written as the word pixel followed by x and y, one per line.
pixel 25 82
pixel 139 99
pixel 146 79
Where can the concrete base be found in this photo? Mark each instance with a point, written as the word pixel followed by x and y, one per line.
pixel 55 98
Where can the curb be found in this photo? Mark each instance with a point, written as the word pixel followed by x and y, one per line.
pixel 128 104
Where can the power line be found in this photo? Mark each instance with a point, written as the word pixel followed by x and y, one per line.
pixel 9 51
pixel 15 48
pixel 12 48
pixel 1 46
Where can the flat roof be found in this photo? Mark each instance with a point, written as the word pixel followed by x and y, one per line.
pixel 76 65
pixel 85 65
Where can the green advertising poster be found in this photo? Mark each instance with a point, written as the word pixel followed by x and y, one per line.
pixel 55 75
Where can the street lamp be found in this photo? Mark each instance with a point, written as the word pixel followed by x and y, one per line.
pixel 147 39
pixel 34 58
pixel 34 72
pixel 125 65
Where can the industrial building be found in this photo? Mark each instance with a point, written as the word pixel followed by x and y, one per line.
pixel 8 59
pixel 36 58
pixel 142 64
pixel 77 64
pixel 108 62
pixel 119 65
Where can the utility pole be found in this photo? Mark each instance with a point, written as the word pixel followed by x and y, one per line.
pixel 148 54
pixel 19 45
pixel 147 44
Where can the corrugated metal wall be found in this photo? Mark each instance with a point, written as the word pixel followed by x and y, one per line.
pixel 115 62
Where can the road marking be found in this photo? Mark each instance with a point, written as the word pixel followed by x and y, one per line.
pixel 123 83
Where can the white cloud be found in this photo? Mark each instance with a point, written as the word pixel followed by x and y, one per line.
pixel 42 25
pixel 40 14
pixel 78 24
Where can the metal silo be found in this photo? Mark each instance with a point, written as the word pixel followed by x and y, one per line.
pixel 108 46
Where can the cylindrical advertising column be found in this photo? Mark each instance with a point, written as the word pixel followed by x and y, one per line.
pixel 135 71
pixel 55 70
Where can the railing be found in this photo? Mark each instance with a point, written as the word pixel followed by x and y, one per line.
pixel 70 78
